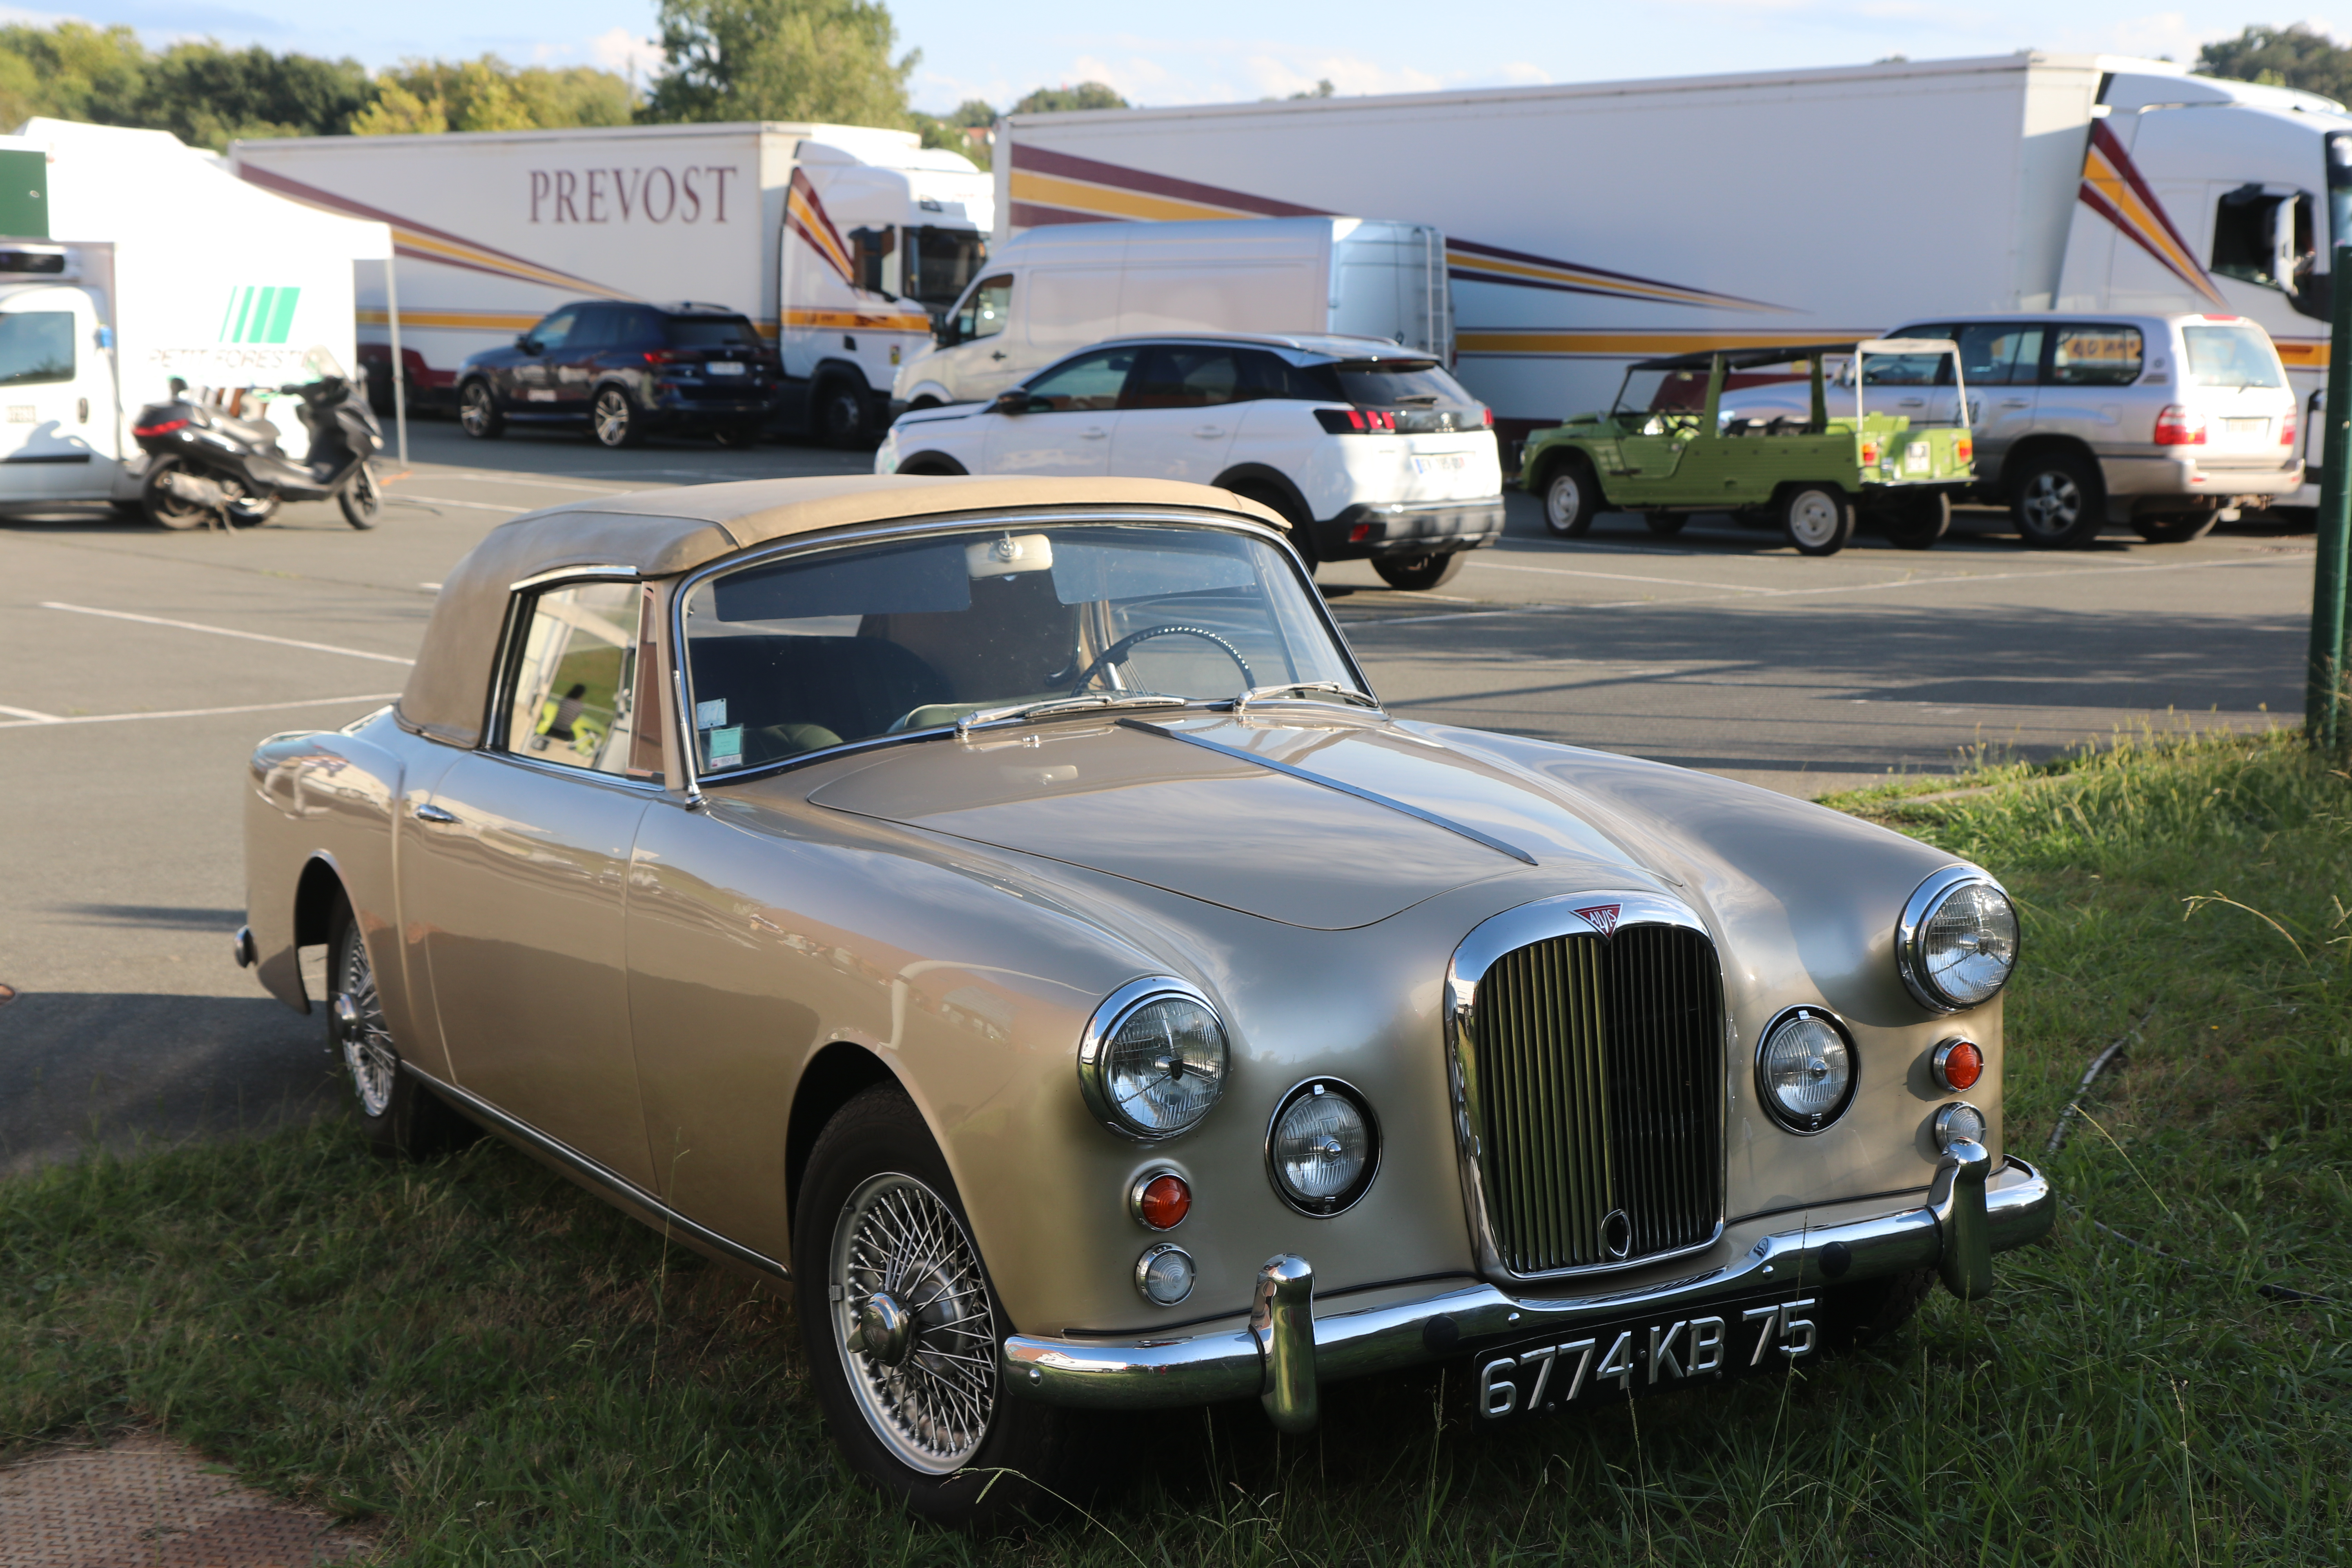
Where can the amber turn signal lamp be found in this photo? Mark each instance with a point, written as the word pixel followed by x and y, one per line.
pixel 1959 1064
pixel 1160 1200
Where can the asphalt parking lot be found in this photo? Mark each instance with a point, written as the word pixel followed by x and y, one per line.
pixel 137 668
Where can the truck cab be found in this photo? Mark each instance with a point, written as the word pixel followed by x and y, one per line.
pixel 59 433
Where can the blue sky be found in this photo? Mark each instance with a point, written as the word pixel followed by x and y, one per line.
pixel 1226 49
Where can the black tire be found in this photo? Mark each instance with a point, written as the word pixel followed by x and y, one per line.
pixel 2057 501
pixel 1916 521
pixel 838 409
pixel 1817 519
pixel 1418 572
pixel 877 1151
pixel 923 403
pixel 1571 497
pixel 478 412
pixel 2179 528
pixel 362 498
pixel 937 463
pixel 614 421
pixel 1665 524
pixel 1871 1311
pixel 399 1117
pixel 1302 529
pixel 164 509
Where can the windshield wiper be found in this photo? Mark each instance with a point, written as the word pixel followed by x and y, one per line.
pixel 1049 705
pixel 1295 688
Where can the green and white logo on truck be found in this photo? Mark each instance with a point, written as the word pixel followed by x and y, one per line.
pixel 259 315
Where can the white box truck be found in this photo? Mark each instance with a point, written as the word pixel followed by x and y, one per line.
pixel 838 241
pixel 1053 291
pixel 1632 220
pixel 128 259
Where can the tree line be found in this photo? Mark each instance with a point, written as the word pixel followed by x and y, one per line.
pixel 828 60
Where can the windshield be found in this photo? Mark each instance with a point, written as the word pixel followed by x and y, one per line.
pixel 2230 356
pixel 1654 391
pixel 941 263
pixel 829 647
pixel 320 364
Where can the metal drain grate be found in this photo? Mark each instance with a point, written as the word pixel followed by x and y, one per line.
pixel 147 1502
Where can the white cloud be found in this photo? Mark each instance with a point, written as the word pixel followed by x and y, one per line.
pixel 618 49
pixel 1525 73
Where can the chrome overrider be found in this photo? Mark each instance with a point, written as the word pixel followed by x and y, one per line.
pixel 1284 1350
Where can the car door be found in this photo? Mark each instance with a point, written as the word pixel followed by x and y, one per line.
pixel 1065 420
pixel 1177 417
pixel 515 870
pixel 2000 366
pixel 576 365
pixel 531 383
pixel 2084 373
pixel 58 431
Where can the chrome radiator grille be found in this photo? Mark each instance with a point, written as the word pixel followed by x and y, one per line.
pixel 1592 1083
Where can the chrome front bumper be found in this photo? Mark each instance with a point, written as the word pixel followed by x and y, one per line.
pixel 1286 1348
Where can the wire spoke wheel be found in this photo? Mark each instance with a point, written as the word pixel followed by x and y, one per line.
pixel 912 1323
pixel 368 1054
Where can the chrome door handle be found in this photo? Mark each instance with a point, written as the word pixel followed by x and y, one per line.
pixel 1094 433
pixel 1207 431
pixel 1911 403
pixel 426 811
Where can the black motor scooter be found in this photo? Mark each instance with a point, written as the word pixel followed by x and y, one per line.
pixel 204 466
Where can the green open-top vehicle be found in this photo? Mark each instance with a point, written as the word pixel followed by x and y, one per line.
pixel 1670 447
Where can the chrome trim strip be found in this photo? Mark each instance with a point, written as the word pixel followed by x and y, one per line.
pixel 954 522
pixel 1488 941
pixel 1908 962
pixel 611 1180
pixel 1314 778
pixel 1105 1022
pixel 585 574
pixel 1159 1370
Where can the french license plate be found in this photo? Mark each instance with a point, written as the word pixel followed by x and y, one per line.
pixel 538 395
pixel 2247 427
pixel 723 367
pixel 1916 459
pixel 1440 462
pixel 1645 1355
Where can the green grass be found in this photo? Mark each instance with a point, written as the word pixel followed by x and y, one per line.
pixel 499 1369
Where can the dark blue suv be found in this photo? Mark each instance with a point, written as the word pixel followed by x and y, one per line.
pixel 625 369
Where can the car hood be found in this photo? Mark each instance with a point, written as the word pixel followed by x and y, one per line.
pixel 1322 823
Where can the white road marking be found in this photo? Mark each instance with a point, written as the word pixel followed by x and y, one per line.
pixel 428 501
pixel 529 480
pixel 46 718
pixel 227 632
pixel 1615 576
pixel 30 715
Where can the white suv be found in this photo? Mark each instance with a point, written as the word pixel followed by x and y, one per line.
pixel 1369 450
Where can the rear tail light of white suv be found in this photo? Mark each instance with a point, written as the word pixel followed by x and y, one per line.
pixel 1401 422
pixel 2177 426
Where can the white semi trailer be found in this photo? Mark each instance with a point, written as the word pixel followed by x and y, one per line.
pixel 1590 224
pixel 840 242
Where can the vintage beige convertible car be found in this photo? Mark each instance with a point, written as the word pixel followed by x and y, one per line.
pixel 1002 908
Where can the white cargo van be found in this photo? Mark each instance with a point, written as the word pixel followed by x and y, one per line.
pixel 136 289
pixel 839 242
pixel 1652 218
pixel 1057 289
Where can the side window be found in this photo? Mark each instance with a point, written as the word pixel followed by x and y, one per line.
pixel 36 346
pixel 597 328
pixel 556 331
pixel 1185 376
pixel 2000 354
pixel 1089 382
pixel 639 328
pixel 984 314
pixel 574 679
pixel 2096 356
pixel 870 250
pixel 2265 236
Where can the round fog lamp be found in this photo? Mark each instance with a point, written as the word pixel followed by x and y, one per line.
pixel 1164 1274
pixel 1959 1064
pixel 1957 942
pixel 1960 1122
pixel 1323 1147
pixel 1153 1059
pixel 1804 1069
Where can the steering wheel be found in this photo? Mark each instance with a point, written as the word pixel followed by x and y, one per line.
pixel 1118 651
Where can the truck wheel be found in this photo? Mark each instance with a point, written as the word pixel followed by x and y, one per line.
pixel 478 412
pixel 164 509
pixel 1915 523
pixel 1418 572
pixel 398 1115
pixel 362 498
pixel 900 1327
pixel 2058 502
pixel 840 409
pixel 1665 524
pixel 1571 500
pixel 2179 528
pixel 613 421
pixel 1817 519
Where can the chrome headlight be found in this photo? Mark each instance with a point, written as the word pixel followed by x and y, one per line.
pixel 1323 1147
pixel 1154 1058
pixel 1804 1069
pixel 1957 941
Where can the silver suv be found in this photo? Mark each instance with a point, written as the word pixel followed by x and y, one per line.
pixel 2168 423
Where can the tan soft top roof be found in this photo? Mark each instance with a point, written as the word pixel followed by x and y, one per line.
pixel 661 533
